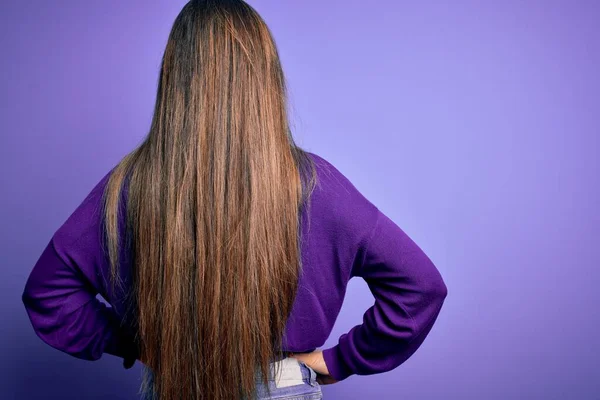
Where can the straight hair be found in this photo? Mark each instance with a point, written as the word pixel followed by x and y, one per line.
pixel 214 197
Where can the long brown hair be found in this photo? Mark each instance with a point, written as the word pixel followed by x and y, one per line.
pixel 214 197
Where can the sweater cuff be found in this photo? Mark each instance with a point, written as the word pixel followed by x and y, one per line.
pixel 335 363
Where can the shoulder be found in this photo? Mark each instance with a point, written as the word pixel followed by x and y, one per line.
pixel 81 231
pixel 333 182
pixel 337 201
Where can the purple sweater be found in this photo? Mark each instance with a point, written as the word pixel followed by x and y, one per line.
pixel 348 237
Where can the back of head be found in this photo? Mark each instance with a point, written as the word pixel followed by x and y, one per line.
pixel 214 193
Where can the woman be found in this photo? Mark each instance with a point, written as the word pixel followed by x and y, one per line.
pixel 223 248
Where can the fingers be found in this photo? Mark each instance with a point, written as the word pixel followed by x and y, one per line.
pixel 325 380
pixel 312 360
pixel 316 361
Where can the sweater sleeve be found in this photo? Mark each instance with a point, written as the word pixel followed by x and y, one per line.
pixel 408 291
pixel 60 292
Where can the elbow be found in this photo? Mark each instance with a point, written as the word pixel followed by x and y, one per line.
pixel 440 290
pixel 37 302
pixel 28 298
pixel 66 327
pixel 44 316
pixel 42 322
pixel 55 302
pixel 434 290
pixel 25 297
pixel 60 333
pixel 432 296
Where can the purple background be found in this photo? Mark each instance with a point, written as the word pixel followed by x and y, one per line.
pixel 474 125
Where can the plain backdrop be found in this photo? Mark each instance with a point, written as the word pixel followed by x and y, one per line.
pixel 474 125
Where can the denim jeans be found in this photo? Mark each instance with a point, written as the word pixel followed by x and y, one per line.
pixel 295 381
